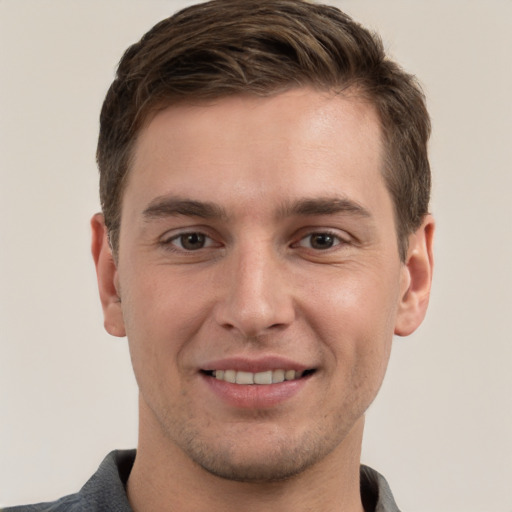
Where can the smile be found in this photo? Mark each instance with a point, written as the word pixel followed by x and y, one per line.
pixel 261 378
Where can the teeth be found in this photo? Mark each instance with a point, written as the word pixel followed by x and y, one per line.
pixel 244 378
pixel 278 376
pixel 289 375
pixel 261 378
pixel 230 376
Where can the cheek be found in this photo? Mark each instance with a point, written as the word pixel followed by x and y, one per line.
pixel 356 328
pixel 363 300
pixel 355 316
pixel 159 299
pixel 160 315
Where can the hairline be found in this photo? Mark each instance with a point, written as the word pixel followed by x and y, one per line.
pixel 353 89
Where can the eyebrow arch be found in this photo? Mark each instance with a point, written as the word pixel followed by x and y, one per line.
pixel 324 206
pixel 169 206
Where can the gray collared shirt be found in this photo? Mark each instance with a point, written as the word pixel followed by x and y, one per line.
pixel 105 490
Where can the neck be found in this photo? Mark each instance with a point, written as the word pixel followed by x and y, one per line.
pixel 164 478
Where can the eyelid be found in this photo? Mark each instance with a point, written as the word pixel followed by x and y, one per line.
pixel 177 231
pixel 337 240
pixel 168 238
pixel 342 238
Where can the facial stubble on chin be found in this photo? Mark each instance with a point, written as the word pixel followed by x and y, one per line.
pixel 283 463
pixel 290 454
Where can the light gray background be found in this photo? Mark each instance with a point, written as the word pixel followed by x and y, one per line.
pixel 441 429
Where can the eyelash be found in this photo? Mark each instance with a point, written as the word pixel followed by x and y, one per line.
pixel 170 243
pixel 337 240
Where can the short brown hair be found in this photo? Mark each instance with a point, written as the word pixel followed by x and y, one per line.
pixel 227 47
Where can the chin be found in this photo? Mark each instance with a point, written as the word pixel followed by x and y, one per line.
pixel 272 461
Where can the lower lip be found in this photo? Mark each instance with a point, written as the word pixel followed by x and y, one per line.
pixel 255 396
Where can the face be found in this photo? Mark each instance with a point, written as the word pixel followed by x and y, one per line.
pixel 259 279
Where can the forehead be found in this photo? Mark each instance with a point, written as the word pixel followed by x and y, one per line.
pixel 301 142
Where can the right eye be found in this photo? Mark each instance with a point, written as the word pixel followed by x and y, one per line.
pixel 192 241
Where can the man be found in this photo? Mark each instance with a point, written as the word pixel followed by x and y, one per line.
pixel 265 231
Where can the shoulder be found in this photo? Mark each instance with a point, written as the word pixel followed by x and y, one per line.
pixel 105 490
pixel 70 503
pixel 375 492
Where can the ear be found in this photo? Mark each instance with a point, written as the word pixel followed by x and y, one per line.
pixel 106 271
pixel 417 279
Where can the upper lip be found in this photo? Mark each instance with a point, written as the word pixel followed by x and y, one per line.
pixel 260 364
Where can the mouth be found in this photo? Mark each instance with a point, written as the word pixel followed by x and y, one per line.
pixel 263 378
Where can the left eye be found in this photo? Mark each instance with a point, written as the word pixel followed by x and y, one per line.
pixel 320 241
pixel 191 241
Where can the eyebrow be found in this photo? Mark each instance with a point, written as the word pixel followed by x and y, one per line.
pixel 166 206
pixel 323 206
pixel 169 206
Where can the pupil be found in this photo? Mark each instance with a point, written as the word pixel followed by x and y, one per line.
pixel 192 241
pixel 322 241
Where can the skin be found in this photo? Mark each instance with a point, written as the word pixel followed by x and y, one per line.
pixel 300 263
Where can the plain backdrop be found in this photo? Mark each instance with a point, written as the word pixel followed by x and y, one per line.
pixel 441 429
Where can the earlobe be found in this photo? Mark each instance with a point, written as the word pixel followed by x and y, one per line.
pixel 417 279
pixel 106 272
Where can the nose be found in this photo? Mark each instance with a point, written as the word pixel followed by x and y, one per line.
pixel 256 293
